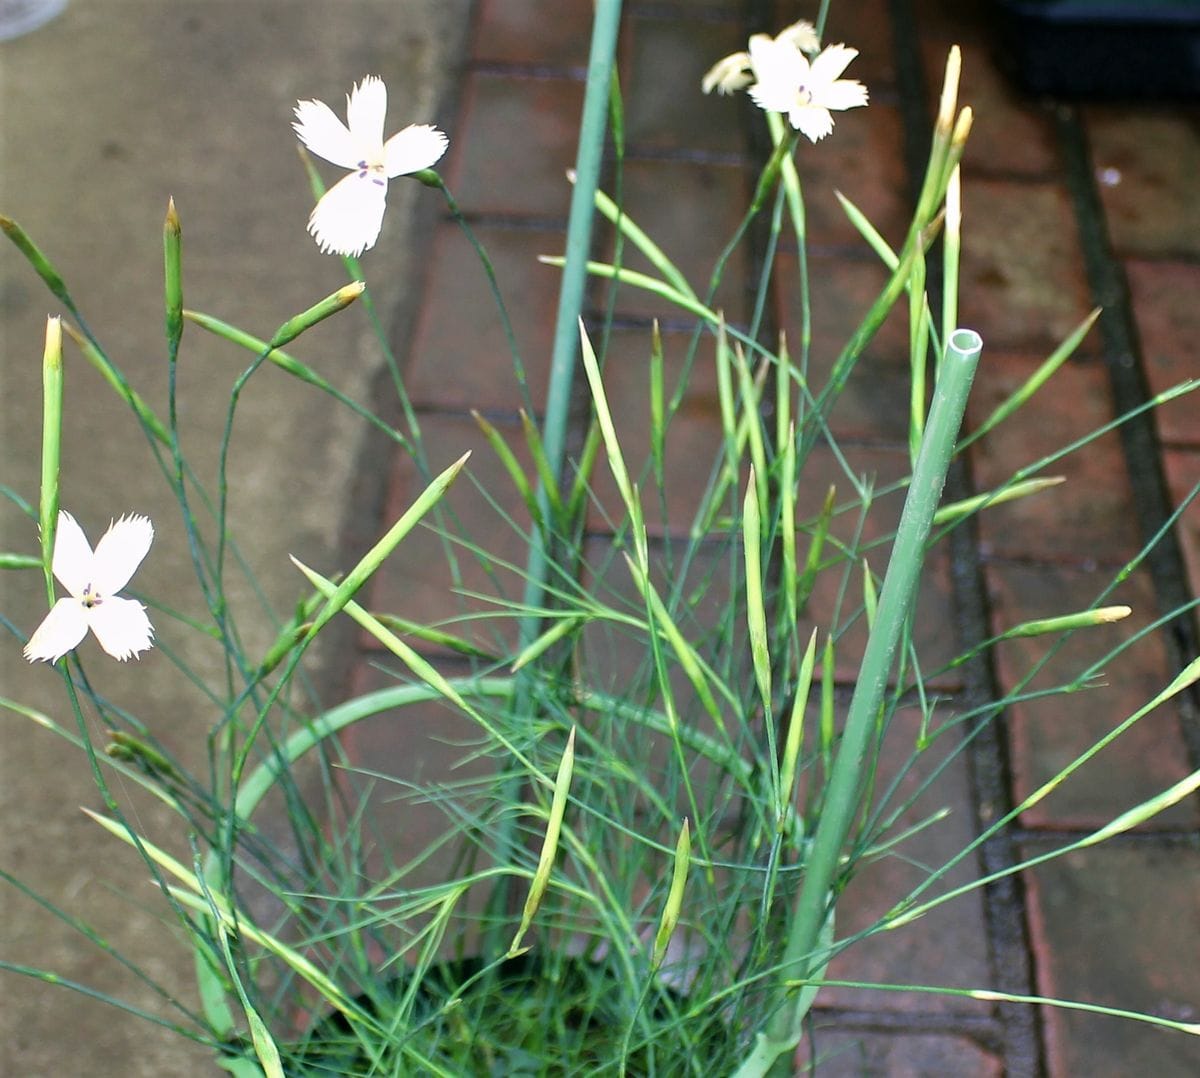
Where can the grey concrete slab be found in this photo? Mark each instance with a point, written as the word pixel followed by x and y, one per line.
pixel 107 111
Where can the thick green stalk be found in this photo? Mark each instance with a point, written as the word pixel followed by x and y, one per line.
pixel 842 796
pixel 574 278
pixel 564 358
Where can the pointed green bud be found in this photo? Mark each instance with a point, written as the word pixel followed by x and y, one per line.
pixel 1067 622
pixel 318 312
pixel 172 279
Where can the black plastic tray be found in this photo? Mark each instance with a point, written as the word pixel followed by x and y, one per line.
pixel 1110 49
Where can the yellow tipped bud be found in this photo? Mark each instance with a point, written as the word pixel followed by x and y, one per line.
pixel 172 221
pixel 949 98
pixel 52 353
pixel 1083 619
pixel 318 312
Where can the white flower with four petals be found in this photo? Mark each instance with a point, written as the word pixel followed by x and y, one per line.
pixel 349 215
pixel 804 91
pixel 93 578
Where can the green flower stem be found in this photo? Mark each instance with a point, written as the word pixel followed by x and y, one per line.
pixel 841 805
pixel 41 264
pixel 96 357
pixel 52 402
pixel 294 367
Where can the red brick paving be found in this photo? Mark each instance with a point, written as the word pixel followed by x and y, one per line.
pixel 1118 924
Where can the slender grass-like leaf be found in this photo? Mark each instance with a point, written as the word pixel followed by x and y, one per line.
pixel 751 392
pixel 541 875
pixel 264 1044
pixel 789 768
pixel 654 254
pixel 789 584
pixel 816 548
pixel 193 898
pixel 1014 401
pixel 562 627
pixel 511 465
pixel 955 511
pixel 756 611
pixel 643 281
pixel 612 445
pixel 908 910
pixel 691 664
pixel 546 472
pixel 658 427
pixel 52 402
pixel 988 996
pixel 674 902
pixel 581 485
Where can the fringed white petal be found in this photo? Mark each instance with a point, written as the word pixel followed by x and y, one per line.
pixel 325 135
pixel 119 553
pixel 831 63
pixel 60 631
pixel 349 216
pixel 366 108
pixel 812 121
pixel 843 94
pixel 72 563
pixel 418 146
pixel 121 626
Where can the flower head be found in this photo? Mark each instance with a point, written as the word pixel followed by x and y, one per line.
pixel 93 578
pixel 349 215
pixel 806 92
pixel 735 72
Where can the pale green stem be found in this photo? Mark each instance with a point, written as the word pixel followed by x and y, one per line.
pixel 842 795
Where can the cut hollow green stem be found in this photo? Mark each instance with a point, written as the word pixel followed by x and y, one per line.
pixel 841 804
